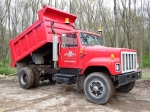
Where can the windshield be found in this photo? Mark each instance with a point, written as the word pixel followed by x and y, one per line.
pixel 90 39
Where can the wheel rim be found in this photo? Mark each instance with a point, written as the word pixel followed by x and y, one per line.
pixel 96 88
pixel 24 78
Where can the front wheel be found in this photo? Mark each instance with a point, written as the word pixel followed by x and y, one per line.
pixel 126 88
pixel 98 88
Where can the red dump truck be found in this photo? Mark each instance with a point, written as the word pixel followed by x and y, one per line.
pixel 53 49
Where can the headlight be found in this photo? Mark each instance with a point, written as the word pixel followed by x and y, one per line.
pixel 117 67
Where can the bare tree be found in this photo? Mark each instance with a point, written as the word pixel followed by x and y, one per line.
pixel 116 23
pixel 148 12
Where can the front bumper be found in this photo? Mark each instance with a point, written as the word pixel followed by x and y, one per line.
pixel 129 77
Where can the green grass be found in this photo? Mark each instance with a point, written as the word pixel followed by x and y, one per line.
pixel 146 61
pixel 2 65
pixel 7 69
pixel 145 77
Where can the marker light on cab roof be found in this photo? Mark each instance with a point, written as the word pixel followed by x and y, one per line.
pixel 66 20
pixel 100 29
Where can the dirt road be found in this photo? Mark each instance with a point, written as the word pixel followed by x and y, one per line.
pixel 63 98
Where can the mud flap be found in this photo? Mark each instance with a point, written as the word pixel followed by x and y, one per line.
pixel 80 82
pixel 37 58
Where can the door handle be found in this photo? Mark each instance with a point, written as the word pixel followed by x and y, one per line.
pixel 83 55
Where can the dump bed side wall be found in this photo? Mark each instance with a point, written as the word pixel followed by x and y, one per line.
pixel 24 45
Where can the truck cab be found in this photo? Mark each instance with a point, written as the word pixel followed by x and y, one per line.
pixel 82 49
pixel 83 55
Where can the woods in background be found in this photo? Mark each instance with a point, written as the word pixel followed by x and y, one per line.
pixel 125 23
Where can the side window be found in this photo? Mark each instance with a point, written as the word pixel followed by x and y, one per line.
pixel 71 40
pixel 84 39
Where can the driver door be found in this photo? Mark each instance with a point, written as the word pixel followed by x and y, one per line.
pixel 69 52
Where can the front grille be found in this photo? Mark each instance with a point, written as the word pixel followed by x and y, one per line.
pixel 128 61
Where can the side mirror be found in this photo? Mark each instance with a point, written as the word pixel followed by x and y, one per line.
pixel 63 39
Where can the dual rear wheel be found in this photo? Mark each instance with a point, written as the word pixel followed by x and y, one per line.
pixel 28 78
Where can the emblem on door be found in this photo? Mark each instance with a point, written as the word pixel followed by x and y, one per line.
pixel 70 54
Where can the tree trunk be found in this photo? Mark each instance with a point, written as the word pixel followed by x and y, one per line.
pixel 116 23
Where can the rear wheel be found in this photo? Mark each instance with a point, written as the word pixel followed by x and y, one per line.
pixel 26 78
pixel 98 88
pixel 36 78
pixel 126 88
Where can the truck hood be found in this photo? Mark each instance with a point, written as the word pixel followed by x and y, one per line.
pixel 102 51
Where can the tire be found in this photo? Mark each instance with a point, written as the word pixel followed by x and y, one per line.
pixel 98 88
pixel 36 78
pixel 126 88
pixel 26 78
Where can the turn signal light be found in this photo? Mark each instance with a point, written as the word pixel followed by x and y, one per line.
pixel 81 51
pixel 112 56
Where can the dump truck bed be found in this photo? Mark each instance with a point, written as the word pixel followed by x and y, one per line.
pixel 40 33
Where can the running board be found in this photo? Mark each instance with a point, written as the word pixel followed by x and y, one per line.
pixel 65 78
